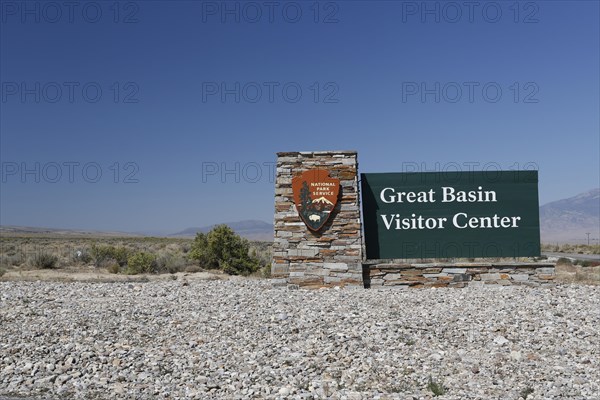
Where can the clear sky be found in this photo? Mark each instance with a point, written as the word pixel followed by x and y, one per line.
pixel 160 115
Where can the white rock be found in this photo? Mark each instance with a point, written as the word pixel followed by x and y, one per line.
pixel 501 340
pixel 227 340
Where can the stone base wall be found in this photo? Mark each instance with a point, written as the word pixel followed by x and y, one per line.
pixel 332 256
pixel 412 275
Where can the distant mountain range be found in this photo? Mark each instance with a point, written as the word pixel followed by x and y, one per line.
pixel 250 229
pixel 39 231
pixel 569 220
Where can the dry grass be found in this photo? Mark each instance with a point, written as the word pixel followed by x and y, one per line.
pixel 568 273
pixel 571 248
pixel 74 255
pixel 17 255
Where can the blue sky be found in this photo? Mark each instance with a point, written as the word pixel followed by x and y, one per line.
pixel 122 115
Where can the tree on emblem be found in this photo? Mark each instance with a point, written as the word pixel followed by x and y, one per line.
pixel 305 198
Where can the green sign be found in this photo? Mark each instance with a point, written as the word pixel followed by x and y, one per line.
pixel 451 214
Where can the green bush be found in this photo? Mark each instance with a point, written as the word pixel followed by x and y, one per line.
pixel 4 262
pixel 114 268
pixel 9 261
pixel 589 263
pixel 223 249
pixel 105 255
pixel 141 262
pixel 171 263
pixel 564 261
pixel 121 255
pixel 199 251
pixel 84 258
pixel 266 271
pixel 185 247
pixel 44 261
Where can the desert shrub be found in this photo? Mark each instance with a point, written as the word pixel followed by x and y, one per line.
pixel 8 261
pixel 193 269
pixel 563 261
pixel 200 252
pixel 238 266
pixel 44 261
pixel 436 388
pixel 2 271
pixel 114 268
pixel 5 262
pixel 262 251
pixel 186 247
pixel 105 255
pixel 172 248
pixel 223 249
pixel 265 271
pixel 121 255
pixel 107 263
pixel 18 259
pixel 82 258
pixel 589 263
pixel 171 263
pixel 141 262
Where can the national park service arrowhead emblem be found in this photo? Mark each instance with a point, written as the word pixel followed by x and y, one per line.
pixel 315 195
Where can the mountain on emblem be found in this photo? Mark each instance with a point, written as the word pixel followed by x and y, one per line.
pixel 322 200
pixel 315 195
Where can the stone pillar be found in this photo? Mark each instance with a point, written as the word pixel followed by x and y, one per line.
pixel 331 256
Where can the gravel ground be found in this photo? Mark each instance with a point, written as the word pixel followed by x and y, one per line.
pixel 239 339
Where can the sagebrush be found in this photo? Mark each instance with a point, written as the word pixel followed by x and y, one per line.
pixel 223 249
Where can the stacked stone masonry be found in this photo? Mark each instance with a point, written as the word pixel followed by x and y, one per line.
pixel 332 256
pixel 457 274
